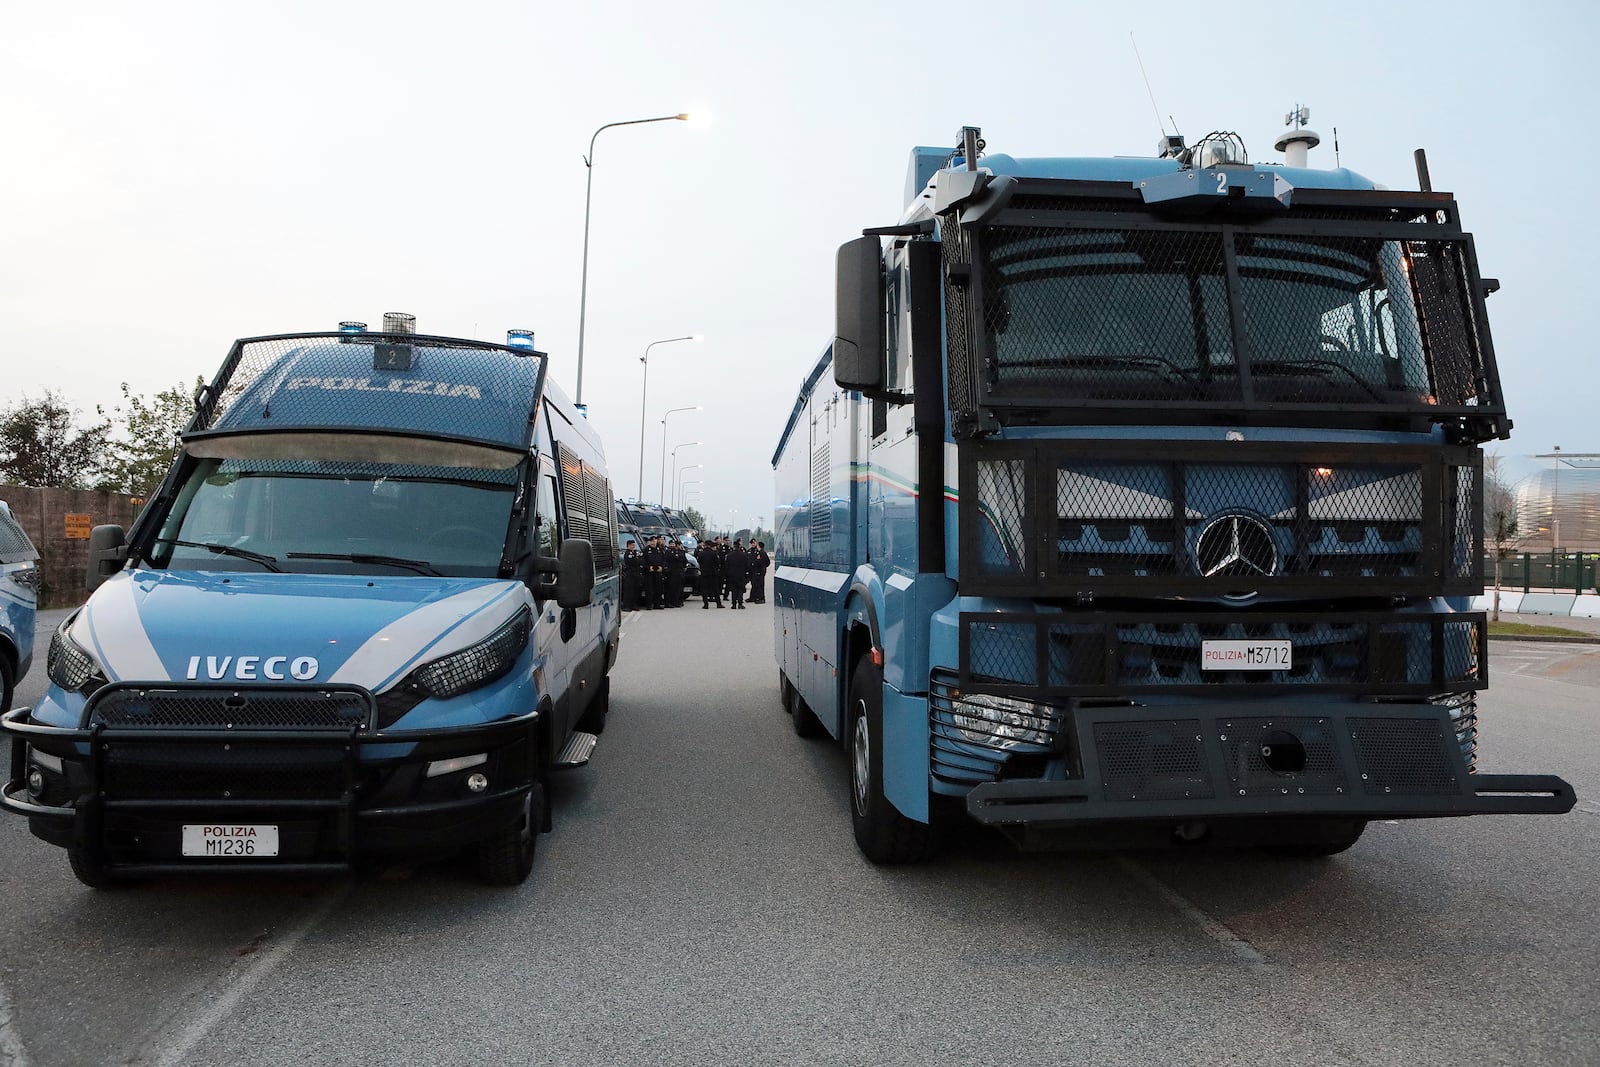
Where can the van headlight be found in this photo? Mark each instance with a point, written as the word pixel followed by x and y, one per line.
pixel 1002 722
pixel 68 665
pixel 480 664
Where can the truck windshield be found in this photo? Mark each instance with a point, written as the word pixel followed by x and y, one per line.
pixel 338 517
pixel 1149 315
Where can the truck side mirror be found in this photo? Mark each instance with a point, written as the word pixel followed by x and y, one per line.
pixel 575 576
pixel 108 551
pixel 858 356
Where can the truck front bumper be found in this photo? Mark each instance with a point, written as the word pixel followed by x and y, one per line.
pixel 1269 764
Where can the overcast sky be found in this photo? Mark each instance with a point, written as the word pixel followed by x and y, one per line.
pixel 180 174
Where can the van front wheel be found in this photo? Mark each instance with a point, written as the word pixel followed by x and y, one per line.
pixel 507 857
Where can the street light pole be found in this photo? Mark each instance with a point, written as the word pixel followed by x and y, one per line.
pixel 680 444
pixel 683 484
pixel 661 490
pixel 588 190
pixel 644 393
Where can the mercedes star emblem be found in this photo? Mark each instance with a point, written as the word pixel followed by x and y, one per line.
pixel 1236 545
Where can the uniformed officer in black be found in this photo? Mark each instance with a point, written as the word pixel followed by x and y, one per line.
pixel 677 563
pixel 759 562
pixel 737 569
pixel 655 566
pixel 710 573
pixel 632 576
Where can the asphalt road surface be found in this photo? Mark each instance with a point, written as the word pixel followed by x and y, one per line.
pixel 701 902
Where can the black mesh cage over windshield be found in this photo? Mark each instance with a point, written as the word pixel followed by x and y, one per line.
pixel 1062 303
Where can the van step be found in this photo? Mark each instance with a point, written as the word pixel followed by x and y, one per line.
pixel 580 746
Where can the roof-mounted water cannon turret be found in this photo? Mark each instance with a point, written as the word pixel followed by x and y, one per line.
pixel 1296 143
pixel 393 355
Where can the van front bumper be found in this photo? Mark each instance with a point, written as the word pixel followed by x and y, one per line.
pixel 335 797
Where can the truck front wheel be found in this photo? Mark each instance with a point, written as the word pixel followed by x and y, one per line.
pixel 883 834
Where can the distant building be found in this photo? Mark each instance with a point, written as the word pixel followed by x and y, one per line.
pixel 1562 501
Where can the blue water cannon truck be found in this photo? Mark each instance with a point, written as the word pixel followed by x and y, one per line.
pixel 371 608
pixel 1137 502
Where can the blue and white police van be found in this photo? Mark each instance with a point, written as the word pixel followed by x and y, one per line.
pixel 371 608
pixel 19 595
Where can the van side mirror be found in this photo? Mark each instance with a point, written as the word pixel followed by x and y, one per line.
pixel 858 356
pixel 108 551
pixel 575 576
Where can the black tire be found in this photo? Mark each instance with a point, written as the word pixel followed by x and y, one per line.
pixel 90 869
pixel 594 716
pixel 8 685
pixel 883 834
pixel 784 689
pixel 1325 837
pixel 507 857
pixel 806 724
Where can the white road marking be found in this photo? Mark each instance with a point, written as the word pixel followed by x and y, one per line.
pixel 12 1052
pixel 1212 928
pixel 247 972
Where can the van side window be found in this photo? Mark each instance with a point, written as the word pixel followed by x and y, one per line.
pixel 549 541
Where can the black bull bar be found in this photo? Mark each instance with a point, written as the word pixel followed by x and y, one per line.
pixel 1279 761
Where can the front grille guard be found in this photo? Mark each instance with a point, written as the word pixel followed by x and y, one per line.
pixel 341 760
pixel 1111 654
pixel 1071 518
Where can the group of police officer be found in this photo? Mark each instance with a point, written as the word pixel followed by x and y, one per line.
pixel 654 577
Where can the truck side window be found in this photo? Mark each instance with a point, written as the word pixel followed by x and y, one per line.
pixel 549 539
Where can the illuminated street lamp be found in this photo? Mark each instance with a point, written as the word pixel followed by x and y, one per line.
pixel 680 444
pixel 644 392
pixel 588 189
pixel 661 490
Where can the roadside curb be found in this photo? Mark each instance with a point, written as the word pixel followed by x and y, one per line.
pixel 1547 640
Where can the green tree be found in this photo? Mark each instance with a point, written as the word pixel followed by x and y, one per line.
pixel 42 445
pixel 694 519
pixel 147 438
pixel 1499 520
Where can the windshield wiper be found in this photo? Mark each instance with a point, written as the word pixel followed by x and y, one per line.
pixel 1152 364
pixel 419 565
pixel 1318 367
pixel 269 562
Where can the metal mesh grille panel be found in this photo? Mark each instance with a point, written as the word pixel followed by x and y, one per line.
pixel 1081 519
pixel 1305 749
pixel 440 387
pixel 1152 760
pixel 1076 307
pixel 1108 654
pixel 1330 319
pixel 1107 314
pixel 235 771
pixel 1404 757
pixel 242 709
pixel 14 544
pixel 821 497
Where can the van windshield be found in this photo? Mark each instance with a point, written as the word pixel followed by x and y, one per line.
pixel 338 518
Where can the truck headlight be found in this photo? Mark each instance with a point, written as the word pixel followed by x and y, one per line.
pixel 479 664
pixel 1001 721
pixel 68 665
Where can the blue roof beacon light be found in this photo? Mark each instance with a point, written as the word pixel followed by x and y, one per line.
pixel 352 326
pixel 521 339
pixel 581 409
